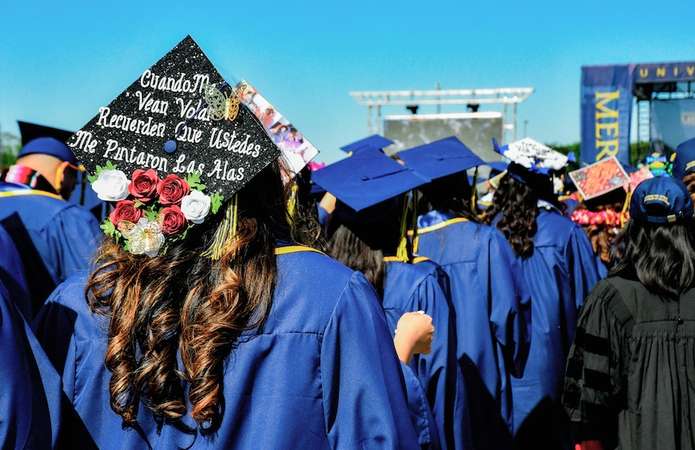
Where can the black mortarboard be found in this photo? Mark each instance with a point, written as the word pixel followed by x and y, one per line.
pixel 179 116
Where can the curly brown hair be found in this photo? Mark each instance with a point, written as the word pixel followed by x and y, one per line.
pixel 517 207
pixel 187 304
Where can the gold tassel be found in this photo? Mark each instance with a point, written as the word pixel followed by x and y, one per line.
pixel 292 201
pixel 626 206
pixel 225 232
pixel 402 251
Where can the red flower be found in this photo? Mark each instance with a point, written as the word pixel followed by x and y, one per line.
pixel 125 211
pixel 143 185
pixel 172 189
pixel 172 220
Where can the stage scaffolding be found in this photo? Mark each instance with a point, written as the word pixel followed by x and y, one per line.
pixel 506 98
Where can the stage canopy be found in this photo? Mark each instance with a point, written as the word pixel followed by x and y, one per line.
pixel 606 103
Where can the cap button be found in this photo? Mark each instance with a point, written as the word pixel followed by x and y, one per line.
pixel 170 146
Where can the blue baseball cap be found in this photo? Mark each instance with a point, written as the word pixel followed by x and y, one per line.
pixel 661 200
pixel 685 159
pixel 373 142
pixel 367 178
pixel 48 146
pixel 440 158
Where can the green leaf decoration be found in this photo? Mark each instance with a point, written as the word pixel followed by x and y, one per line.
pixel 126 246
pixel 108 228
pixel 152 214
pixel 109 166
pixel 193 180
pixel 216 200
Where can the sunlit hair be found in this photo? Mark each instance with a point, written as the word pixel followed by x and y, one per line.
pixel 661 257
pixel 517 207
pixel 184 303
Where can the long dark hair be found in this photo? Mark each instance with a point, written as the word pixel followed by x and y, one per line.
pixel 184 303
pixel 448 194
pixel 349 249
pixel 661 257
pixel 517 205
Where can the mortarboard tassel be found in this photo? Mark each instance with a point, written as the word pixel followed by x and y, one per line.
pixel 225 232
pixel 402 251
pixel 626 206
pixel 292 201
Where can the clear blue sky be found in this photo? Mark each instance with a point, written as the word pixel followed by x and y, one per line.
pixel 59 62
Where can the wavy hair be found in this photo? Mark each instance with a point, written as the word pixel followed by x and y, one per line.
pixel 187 304
pixel 516 204
pixel 661 257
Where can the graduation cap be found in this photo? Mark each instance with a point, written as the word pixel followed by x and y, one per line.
pixel 440 158
pixel 533 155
pixel 684 162
pixel 45 140
pixel 373 142
pixel 177 142
pixel 30 131
pixel 367 178
pixel 600 178
pixel 661 200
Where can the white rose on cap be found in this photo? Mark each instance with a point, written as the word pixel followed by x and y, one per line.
pixel 111 185
pixel 195 206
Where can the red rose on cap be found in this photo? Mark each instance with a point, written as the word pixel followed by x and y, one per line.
pixel 143 185
pixel 172 189
pixel 172 220
pixel 125 211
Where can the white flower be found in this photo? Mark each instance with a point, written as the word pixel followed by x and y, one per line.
pixel 195 206
pixel 111 185
pixel 145 238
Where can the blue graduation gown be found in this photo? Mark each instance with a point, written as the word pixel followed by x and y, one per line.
pixel 63 235
pixel 491 317
pixel 424 286
pixel 322 374
pixel 559 275
pixel 12 274
pixel 30 390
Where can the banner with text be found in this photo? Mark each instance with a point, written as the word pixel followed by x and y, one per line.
pixel 606 104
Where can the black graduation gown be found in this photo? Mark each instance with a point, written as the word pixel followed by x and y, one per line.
pixel 631 371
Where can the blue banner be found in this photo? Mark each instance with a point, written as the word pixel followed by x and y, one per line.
pixel 664 72
pixel 606 106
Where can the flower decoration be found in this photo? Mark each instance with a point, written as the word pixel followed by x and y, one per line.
pixel 144 185
pixel 110 184
pixel 196 206
pixel 172 189
pixel 149 211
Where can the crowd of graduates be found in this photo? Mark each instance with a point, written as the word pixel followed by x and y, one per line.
pixel 425 299
pixel 463 320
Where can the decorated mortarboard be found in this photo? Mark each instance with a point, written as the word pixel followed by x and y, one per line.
pixel 45 140
pixel 533 155
pixel 600 178
pixel 170 149
pixel 658 164
pixel 661 200
pixel 440 158
pixel 373 142
pixel 684 162
pixel 367 178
